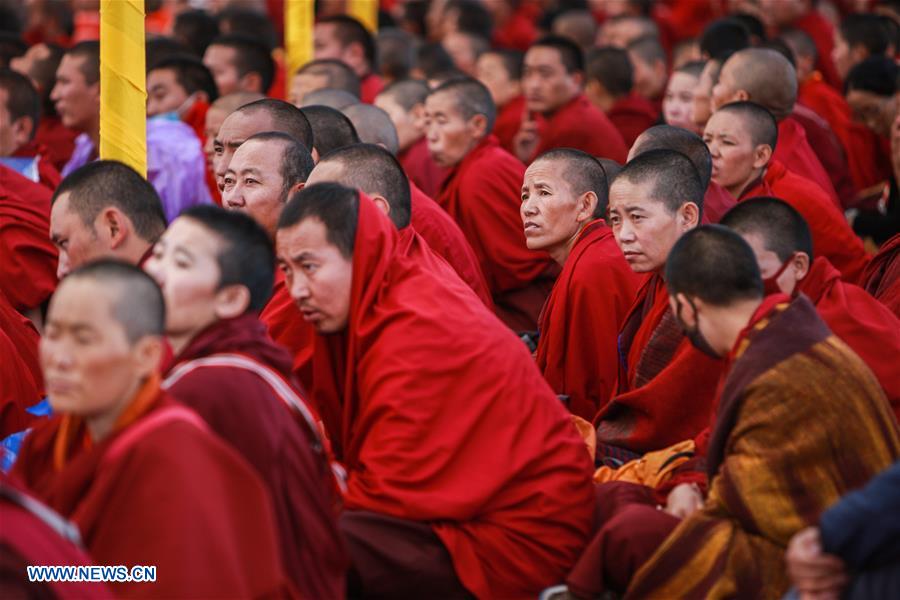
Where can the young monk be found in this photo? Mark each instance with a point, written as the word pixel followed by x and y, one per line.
pixel 742 138
pixel 558 113
pixel 481 194
pixel 678 101
pixel 564 198
pixel 666 387
pixel 781 240
pixel 141 476
pixel 465 475
pixel 771 473
pixel 501 73
pixel 375 172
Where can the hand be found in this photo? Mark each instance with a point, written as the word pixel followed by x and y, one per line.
pixel 683 500
pixel 814 573
pixel 526 139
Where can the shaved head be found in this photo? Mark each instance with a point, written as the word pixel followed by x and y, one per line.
pixel 373 126
pixel 800 43
pixel 335 75
pixel 231 102
pixel 671 175
pixel 666 137
pixel 765 75
pixel 471 98
pixel 285 118
pixel 331 128
pixel 758 121
pixel 781 228
pixel 374 171
pixel 582 172
pixel 407 93
pixel 336 99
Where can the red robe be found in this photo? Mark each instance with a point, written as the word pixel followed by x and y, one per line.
pixel 716 202
pixel 287 327
pixel 882 276
pixel 581 125
pixel 482 196
pixel 447 240
pixel 867 326
pixel 27 256
pixel 831 234
pixel 421 168
pixel 666 387
pixel 446 420
pixel 160 490
pixel 18 388
pixel 518 32
pixel 632 115
pixel 509 119
pixel 48 175
pixel 214 376
pixel 369 87
pixel 828 150
pixel 580 323
pixel 822 33
pixel 794 152
pixel 57 139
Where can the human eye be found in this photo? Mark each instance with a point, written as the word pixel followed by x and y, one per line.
pixel 309 267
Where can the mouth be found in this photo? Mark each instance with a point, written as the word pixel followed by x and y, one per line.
pixel 311 315
pixel 233 206
pixel 631 254
pixel 59 387
pixel 531 227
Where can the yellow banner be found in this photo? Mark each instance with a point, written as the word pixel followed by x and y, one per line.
pixel 366 11
pixel 298 34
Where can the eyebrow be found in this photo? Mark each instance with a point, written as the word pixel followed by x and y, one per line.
pixel 250 171
pixel 302 256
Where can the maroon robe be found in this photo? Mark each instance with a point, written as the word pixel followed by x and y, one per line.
pixel 825 144
pixel 21 383
pixel 214 375
pixel 58 139
pixel 509 119
pixel 632 115
pixel 794 152
pixel 421 168
pixel 716 202
pixel 581 125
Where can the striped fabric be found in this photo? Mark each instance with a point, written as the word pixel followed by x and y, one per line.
pixel 801 422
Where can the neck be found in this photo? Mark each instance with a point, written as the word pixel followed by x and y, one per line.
pixel 100 426
pixel 560 253
pixel 733 320
pixel 93 132
pixel 738 189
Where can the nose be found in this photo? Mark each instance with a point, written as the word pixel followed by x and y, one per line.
pixel 529 208
pixel 299 287
pixel 62 267
pixel 624 232
pixel 153 268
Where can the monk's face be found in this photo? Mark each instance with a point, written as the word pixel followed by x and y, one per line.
pixel 769 263
pixel 222 63
pixel 702 108
pixel 77 242
pixel 235 129
pixel 318 276
pixel 304 83
pixel 90 367
pixel 253 183
pixel 678 103
pixel 551 213
pixel 164 93
pixel 645 229
pixel 546 83
pixel 726 89
pixel 450 136
pixel 214 119
pixel 409 124
pixel 736 160
pixel 77 101
pixel 491 71
pixel 185 267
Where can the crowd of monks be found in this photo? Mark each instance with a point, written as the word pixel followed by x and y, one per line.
pixel 512 299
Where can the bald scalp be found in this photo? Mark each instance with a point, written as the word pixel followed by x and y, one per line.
pixel 331 128
pixel 285 117
pixel 758 121
pixel 666 137
pixel 373 126
pixel 337 74
pixel 407 93
pixel 470 98
pixel 781 228
pixel 767 76
pixel 582 172
pixel 231 102
pixel 376 172
pixel 672 178
pixel 336 99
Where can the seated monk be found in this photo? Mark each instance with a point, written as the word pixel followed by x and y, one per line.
pixel 741 137
pixel 404 102
pixel 558 113
pixel 331 129
pixel 501 73
pixel 465 474
pixel 259 182
pixel 20 104
pixel 782 243
pixel 216 269
pixel 375 172
pixel 665 387
pixel 321 74
pixel 141 476
pixel 716 199
pixel 882 275
pixel 764 76
pixel 482 195
pixel 564 199
pixel 771 474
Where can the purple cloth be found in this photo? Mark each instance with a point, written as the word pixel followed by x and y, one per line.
pixel 175 164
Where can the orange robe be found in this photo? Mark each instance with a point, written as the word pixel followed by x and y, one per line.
pixel 581 125
pixel 580 323
pixel 831 234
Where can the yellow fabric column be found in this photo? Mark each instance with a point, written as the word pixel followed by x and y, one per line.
pixel 366 11
pixel 123 83
pixel 298 34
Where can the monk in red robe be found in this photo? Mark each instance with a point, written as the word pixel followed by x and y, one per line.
pixel 182 85
pixel 141 476
pixel 803 15
pixel 482 195
pixel 28 266
pixel 229 371
pixel 18 387
pixel 766 77
pixel 559 115
pixel 564 198
pixel 741 137
pixel 344 38
pixel 501 73
pixel 716 200
pixel 882 275
pixel 406 339
pixel 781 240
pixel 666 386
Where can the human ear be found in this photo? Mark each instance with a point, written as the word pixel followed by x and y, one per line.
pixel 232 301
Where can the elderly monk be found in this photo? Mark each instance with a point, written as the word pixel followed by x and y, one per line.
pixel 405 339
pixel 331 128
pixel 771 474
pixel 216 269
pixel 742 138
pixel 559 115
pixel 767 78
pixel 666 387
pixel 882 275
pixel 781 240
pixel 716 200
pixel 215 116
pixel 104 209
pixel 325 73
pixel 346 39
pixel 140 474
pixel 264 171
pixel 376 173
pixel 564 198
pixel 482 195
pixel 404 102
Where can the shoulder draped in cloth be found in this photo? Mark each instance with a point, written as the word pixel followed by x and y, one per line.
pixel 882 275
